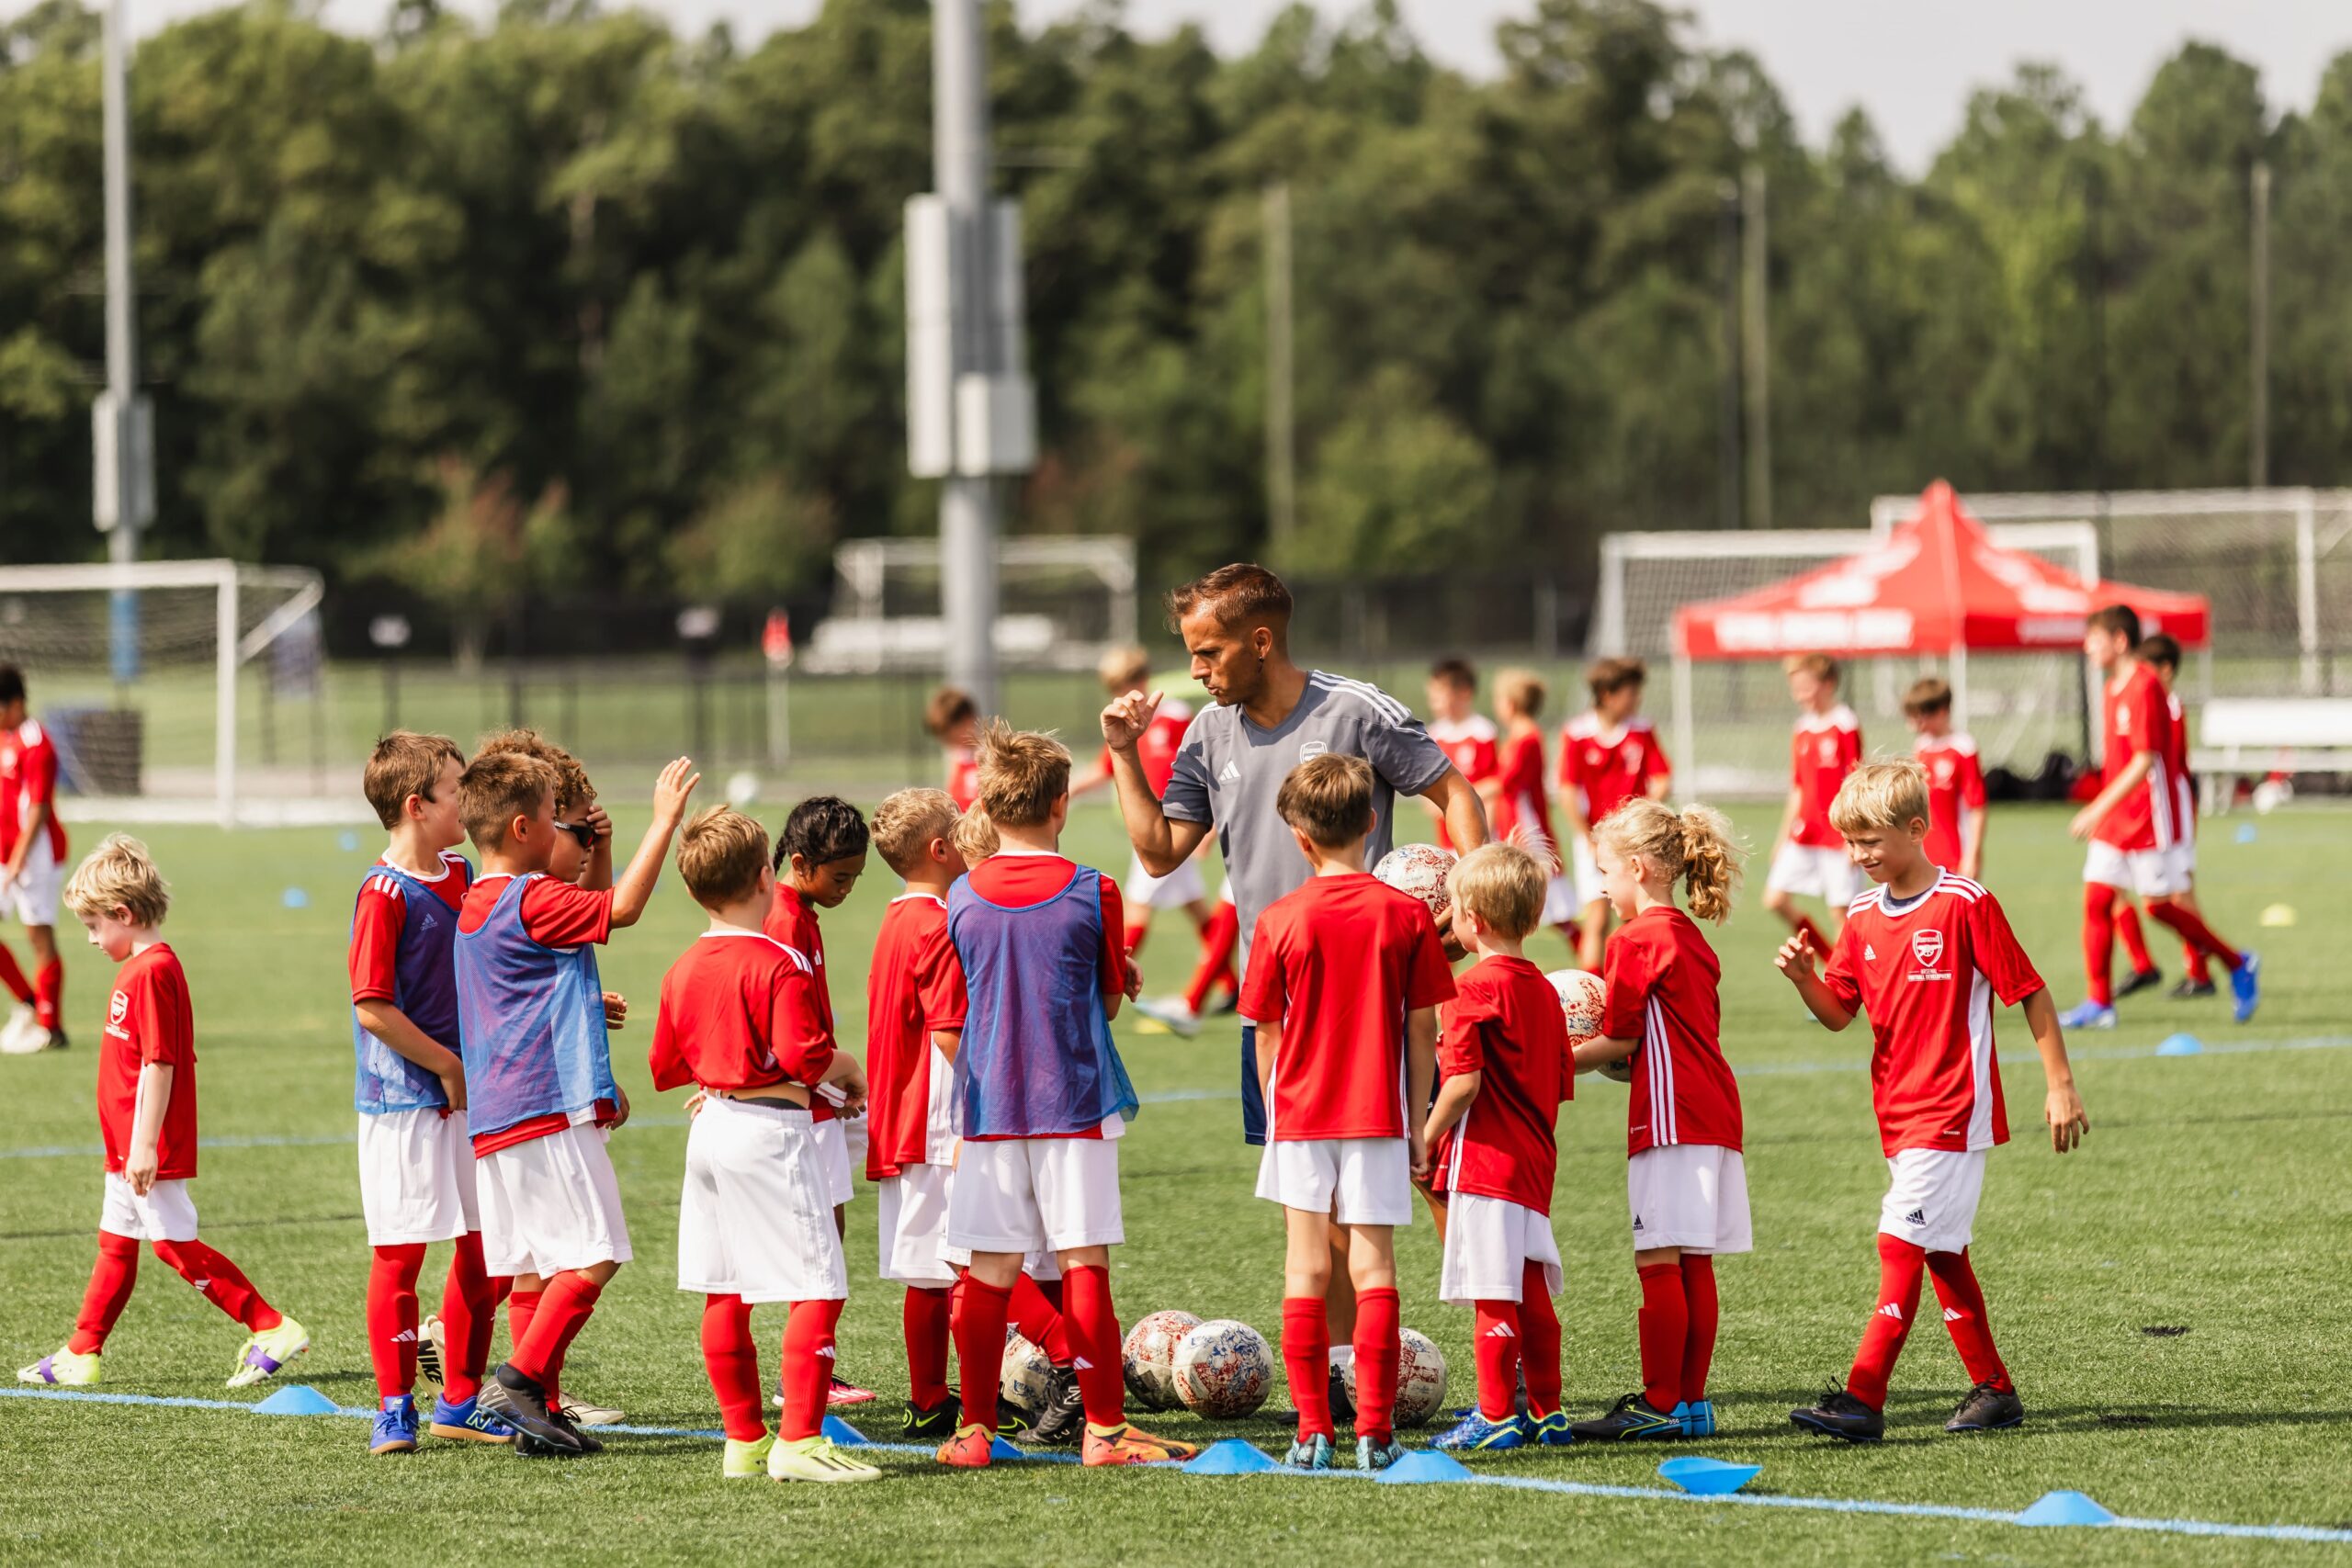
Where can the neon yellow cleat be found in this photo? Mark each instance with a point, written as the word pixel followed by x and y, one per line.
pixel 62 1370
pixel 816 1459
pixel 748 1461
pixel 267 1352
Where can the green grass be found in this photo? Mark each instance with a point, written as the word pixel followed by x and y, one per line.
pixel 2209 1196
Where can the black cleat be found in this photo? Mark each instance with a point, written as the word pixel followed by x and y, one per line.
pixel 1630 1419
pixel 1987 1408
pixel 1343 1409
pixel 1841 1415
pixel 1062 1419
pixel 588 1445
pixel 2140 980
pixel 936 1424
pixel 2190 990
pixel 522 1404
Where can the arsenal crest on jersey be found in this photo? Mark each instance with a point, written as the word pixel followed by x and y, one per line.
pixel 1928 947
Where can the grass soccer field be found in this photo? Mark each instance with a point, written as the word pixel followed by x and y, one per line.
pixel 2209 1201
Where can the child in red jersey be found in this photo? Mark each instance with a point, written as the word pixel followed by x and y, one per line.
pixel 2162 654
pixel 1520 812
pixel 1685 1176
pixel 1467 737
pixel 32 866
pixel 1955 779
pixel 147 1117
pixel 1345 977
pixel 1926 954
pixel 740 1019
pixel 954 720
pixel 1506 1065
pixel 1608 755
pixel 1808 856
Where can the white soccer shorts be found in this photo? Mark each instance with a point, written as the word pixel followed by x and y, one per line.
pixel 1931 1197
pixel 1584 869
pixel 2181 864
pixel 1357 1181
pixel 1827 874
pixel 832 1143
pixel 2150 874
pixel 550 1204
pixel 416 1178
pixel 1693 1196
pixel 167 1213
pixel 32 898
pixel 910 1214
pixel 1490 1242
pixel 1560 904
pixel 1027 1195
pixel 1179 888
pixel 755 1217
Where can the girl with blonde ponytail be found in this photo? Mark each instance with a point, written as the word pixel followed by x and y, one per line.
pixel 1685 1181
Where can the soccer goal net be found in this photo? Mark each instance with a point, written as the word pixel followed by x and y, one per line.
pixel 1062 602
pixel 177 691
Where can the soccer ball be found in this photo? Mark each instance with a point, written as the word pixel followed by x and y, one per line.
pixel 1028 1376
pixel 1584 996
pixel 1419 870
pixel 1150 1358
pixel 1223 1369
pixel 743 790
pixel 1420 1379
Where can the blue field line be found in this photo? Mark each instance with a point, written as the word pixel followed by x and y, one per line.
pixel 2315 1534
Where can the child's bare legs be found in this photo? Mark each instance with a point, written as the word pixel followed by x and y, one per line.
pixel 1593 935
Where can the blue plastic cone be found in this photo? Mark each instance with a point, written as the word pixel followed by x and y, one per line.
pixel 347 842
pixel 1707 1477
pixel 295 898
pixel 1423 1467
pixel 2179 1046
pixel 2245 832
pixel 999 1449
pixel 1231 1456
pixel 842 1434
pixel 2065 1508
pixel 295 1399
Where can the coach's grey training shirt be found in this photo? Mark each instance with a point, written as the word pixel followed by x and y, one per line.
pixel 1229 771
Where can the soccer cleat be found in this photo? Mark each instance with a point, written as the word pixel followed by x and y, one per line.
pixel 1698 1417
pixel 395 1431
pixel 1474 1431
pixel 2245 985
pixel 62 1368
pixel 587 1413
pixel 2190 990
pixel 588 1445
pixel 1172 1016
pixel 1841 1415
pixel 2140 980
pixel 840 1391
pixel 969 1449
pixel 268 1352
pixel 1226 1005
pixel 14 1040
pixel 431 1346
pixel 1631 1417
pixel 933 1424
pixel 747 1461
pixel 529 1447
pixel 1063 1417
pixel 816 1459
pixel 1987 1408
pixel 467 1422
pixel 1552 1431
pixel 1378 1453
pixel 1310 1452
pixel 2088 1015
pixel 1124 1444
pixel 1343 1408
pixel 522 1404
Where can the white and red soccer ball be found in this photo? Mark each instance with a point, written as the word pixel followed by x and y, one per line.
pixel 1028 1376
pixel 1419 870
pixel 1149 1356
pixel 1223 1369
pixel 1584 996
pixel 1420 1379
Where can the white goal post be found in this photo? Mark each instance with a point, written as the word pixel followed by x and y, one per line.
pixel 1063 601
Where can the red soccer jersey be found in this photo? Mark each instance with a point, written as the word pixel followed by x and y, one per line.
pixel 898 1052
pixel 2139 718
pixel 1157 747
pixel 1927 974
pixel 1823 750
pixel 1605 768
pixel 1338 964
pixel 2184 787
pixel 376 926
pixel 962 776
pixel 555 914
pixel 1955 787
pixel 1523 803
pixel 1662 978
pixel 792 921
pixel 1504 1024
pixel 149 1019
pixel 1469 744
pixel 738 1011
pixel 28 778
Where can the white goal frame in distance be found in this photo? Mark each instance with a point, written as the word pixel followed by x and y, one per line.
pixel 864 565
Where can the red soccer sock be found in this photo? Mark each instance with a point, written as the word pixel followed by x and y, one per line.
pixel 1306 1359
pixel 563 1310
pixel 48 993
pixel 1378 1349
pixel 2098 942
pixel 1217 940
pixel 1899 1266
pixel 522 1311
pixel 2135 944
pixel 978 1327
pixel 1964 1305
pixel 1698 1342
pixel 12 976
pixel 108 1294
pixel 925 1321
pixel 1132 937
pixel 733 1363
pixel 468 1314
pixel 220 1282
pixel 1665 1328
pixel 1096 1350
pixel 1539 1340
pixel 391 1317
pixel 1498 1351
pixel 807 1367
pixel 1039 1319
pixel 2193 931
pixel 2199 973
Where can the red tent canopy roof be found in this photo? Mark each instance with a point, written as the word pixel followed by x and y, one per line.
pixel 1934 583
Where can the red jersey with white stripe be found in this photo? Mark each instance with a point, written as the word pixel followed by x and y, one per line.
pixel 1605 767
pixel 149 1019
pixel 1823 750
pixel 2139 718
pixel 1157 747
pixel 962 776
pixel 1662 977
pixel 28 778
pixel 1927 972
pixel 739 1012
pixel 1470 745
pixel 899 1076
pixel 1955 787
pixel 792 921
pixel 1523 803
pixel 2184 786
pixel 1504 1024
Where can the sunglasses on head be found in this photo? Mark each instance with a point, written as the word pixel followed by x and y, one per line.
pixel 585 832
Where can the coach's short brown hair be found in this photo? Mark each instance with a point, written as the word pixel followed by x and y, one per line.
pixel 905 822
pixel 1240 595
pixel 1930 693
pixel 1502 885
pixel 119 874
pixel 1329 798
pixel 949 707
pixel 496 788
pixel 405 763
pixel 721 853
pixel 572 790
pixel 1023 772
pixel 1608 675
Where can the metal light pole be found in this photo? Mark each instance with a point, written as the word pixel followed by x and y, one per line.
pixel 1756 356
pixel 1281 434
pixel 121 421
pixel 2258 315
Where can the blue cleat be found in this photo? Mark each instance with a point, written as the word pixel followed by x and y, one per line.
pixel 1372 1453
pixel 1552 1431
pixel 395 1431
pixel 1311 1452
pixel 2245 985
pixel 1474 1431
pixel 1698 1417
pixel 2088 1015
pixel 467 1422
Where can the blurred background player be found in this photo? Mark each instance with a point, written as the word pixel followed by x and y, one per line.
pixel 1955 779
pixel 2162 654
pixel 1808 854
pixel 1467 737
pixel 1685 1177
pixel 33 867
pixel 1609 755
pixel 147 1121
pixel 954 720
pixel 1520 812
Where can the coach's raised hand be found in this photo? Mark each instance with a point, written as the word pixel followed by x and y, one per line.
pixel 1126 717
